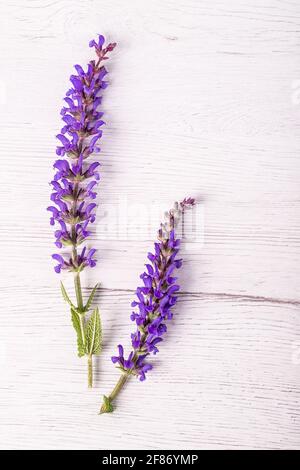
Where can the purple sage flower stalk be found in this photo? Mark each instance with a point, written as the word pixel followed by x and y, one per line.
pixel 74 192
pixel 153 304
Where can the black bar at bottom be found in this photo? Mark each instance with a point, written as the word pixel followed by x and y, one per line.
pixel 139 458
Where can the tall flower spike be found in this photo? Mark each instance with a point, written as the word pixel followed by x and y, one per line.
pixel 74 187
pixel 153 305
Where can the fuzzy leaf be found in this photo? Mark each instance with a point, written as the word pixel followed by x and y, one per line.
pixel 93 333
pixel 91 298
pixel 65 296
pixel 76 324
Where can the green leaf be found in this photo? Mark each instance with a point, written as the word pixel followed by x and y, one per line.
pixel 107 406
pixel 93 333
pixel 77 323
pixel 91 298
pixel 66 297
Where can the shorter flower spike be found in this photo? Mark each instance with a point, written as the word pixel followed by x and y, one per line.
pixel 154 302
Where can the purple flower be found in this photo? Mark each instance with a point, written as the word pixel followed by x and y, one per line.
pixel 81 261
pixel 75 178
pixel 155 298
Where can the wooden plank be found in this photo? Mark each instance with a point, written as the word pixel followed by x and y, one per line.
pixel 227 373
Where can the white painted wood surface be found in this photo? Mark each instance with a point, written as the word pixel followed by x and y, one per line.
pixel 204 100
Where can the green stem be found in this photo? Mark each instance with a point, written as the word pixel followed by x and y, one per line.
pixel 90 371
pixel 107 401
pixel 80 308
pixel 81 322
pixel 121 382
pixel 78 291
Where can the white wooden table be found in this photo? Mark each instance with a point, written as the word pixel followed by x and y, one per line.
pixel 204 100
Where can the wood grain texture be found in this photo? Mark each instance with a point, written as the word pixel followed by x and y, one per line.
pixel 204 100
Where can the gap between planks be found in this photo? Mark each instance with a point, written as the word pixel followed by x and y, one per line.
pixel 218 295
